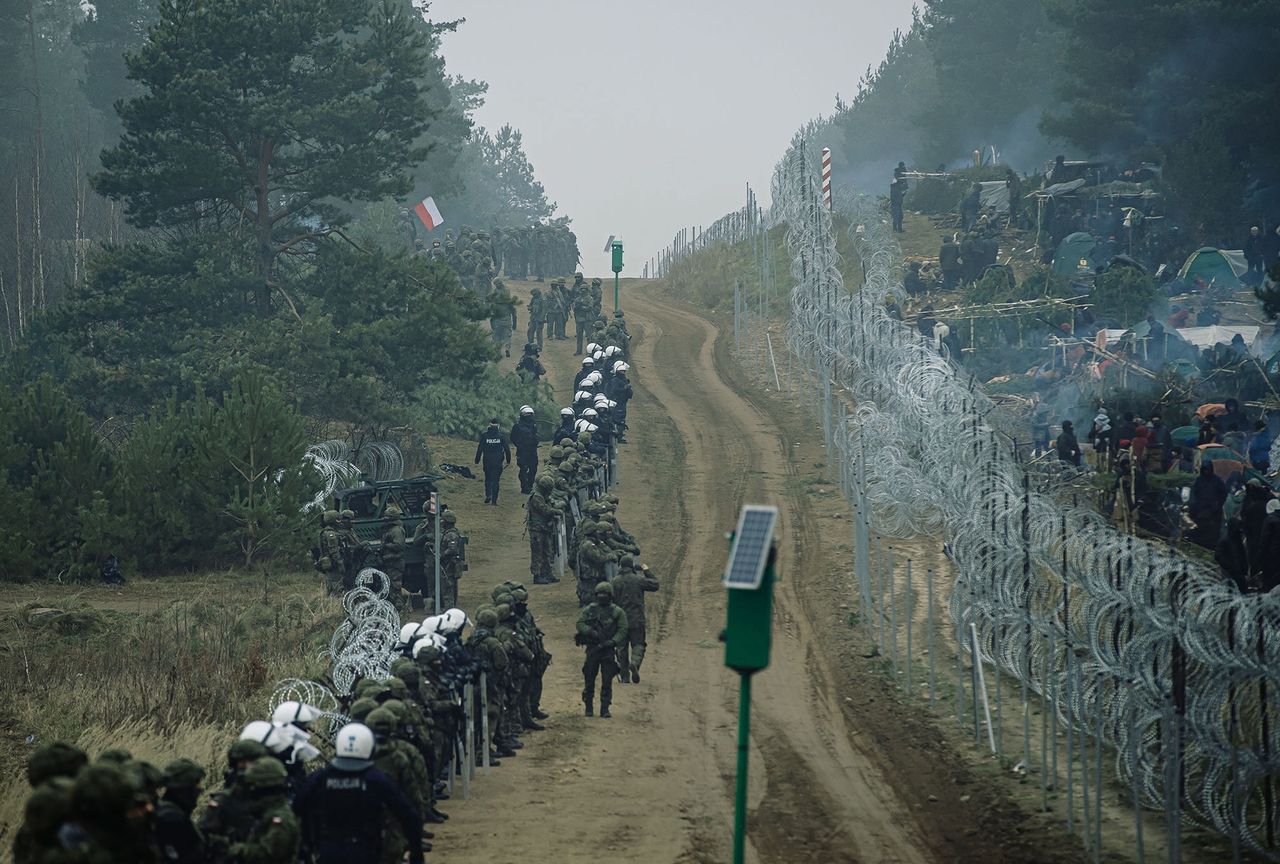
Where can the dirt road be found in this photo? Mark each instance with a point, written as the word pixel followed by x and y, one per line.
pixel 655 783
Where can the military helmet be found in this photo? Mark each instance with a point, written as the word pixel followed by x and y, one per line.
pixel 347 515
pixel 584 437
pixel 330 517
pixel 426 651
pixel 557 452
pixel 182 774
pixel 498 591
pixel 383 722
pixel 520 594
pixel 538 291
pixel 402 664
pixel 577 275
pixel 245 750
pixel 504 609
pixel 399 690
pixel 604 588
pixel 266 774
pixel 487 617
pixel 448 517
pixel 566 467
pixel 545 481
pixel 362 708
pixel 392 512
pixel 55 760
pixel 596 282
pixel 102 791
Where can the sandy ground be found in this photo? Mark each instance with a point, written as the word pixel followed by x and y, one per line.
pixel 840 771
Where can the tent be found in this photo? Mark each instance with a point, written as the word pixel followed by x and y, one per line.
pixel 1072 249
pixel 995 194
pixel 1214 266
pixel 1207 337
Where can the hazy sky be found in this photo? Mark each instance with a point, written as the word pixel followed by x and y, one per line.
pixel 640 117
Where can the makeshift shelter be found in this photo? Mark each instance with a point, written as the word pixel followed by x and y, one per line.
pixel 1218 334
pixel 995 194
pixel 1215 267
pixel 1071 251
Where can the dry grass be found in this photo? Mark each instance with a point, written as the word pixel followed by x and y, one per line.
pixel 164 670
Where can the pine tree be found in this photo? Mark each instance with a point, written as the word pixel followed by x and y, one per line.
pixel 268 113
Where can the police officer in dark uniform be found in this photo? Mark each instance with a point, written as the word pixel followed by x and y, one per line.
pixel 342 807
pixel 524 435
pixel 495 449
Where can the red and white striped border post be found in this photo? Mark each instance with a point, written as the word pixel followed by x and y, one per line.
pixel 826 177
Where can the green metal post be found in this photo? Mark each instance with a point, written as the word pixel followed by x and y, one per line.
pixel 615 292
pixel 744 747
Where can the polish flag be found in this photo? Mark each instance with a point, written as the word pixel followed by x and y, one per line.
pixel 429 213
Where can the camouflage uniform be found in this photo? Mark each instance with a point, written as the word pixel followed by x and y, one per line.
pixel 503 323
pixel 330 561
pixel 227 818
pixel 593 558
pixel 393 758
pixel 393 554
pixel 487 650
pixel 542 515
pixel 537 316
pixel 629 588
pixel 602 628
pixel 452 559
pixel 274 835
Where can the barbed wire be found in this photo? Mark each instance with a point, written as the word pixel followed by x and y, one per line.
pixel 1175 669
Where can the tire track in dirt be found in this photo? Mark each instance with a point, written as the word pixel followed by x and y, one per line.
pixel 815 782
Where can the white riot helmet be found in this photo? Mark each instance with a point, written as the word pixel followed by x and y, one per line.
pixel 611 350
pixel 526 410
pixel 297 713
pixel 594 378
pixel 587 361
pixel 590 413
pixel 582 395
pixel 566 412
pixel 598 354
pixel 452 621
pixel 353 747
pixel 268 735
pixel 585 426
pixel 409 632
pixel 433 639
pixel 592 348
pixel 605 403
pixel 621 366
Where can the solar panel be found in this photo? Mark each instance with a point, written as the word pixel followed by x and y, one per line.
pixel 750 552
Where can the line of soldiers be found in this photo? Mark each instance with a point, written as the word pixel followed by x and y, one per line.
pixel 551 309
pixel 341 554
pixel 473 256
pixel 538 250
pixel 279 804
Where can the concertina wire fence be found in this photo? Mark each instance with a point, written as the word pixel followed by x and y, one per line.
pixel 1125 642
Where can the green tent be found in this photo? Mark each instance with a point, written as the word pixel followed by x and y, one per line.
pixel 1073 248
pixel 1213 266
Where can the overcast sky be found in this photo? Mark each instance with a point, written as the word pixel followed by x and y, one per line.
pixel 641 117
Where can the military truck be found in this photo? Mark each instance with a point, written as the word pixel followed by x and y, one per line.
pixel 369 501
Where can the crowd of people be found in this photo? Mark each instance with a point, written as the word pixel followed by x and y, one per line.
pixel 400 736
pixel 1231 507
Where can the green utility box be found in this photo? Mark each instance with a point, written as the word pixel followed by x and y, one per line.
pixel 617 256
pixel 749 633
pixel 749 577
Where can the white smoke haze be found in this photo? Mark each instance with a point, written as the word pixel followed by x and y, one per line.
pixel 639 118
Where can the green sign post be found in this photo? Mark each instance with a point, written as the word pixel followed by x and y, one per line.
pixel 747 637
pixel 617 268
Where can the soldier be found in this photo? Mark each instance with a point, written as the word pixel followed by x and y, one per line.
pixel 487 650
pixel 109 817
pixel 453 559
pixel 329 561
pixel 50 771
pixel 393 554
pixel 566 307
pixel 342 806
pixel 593 558
pixel 395 762
pixel 524 436
pixel 602 629
pixel 542 659
pixel 176 838
pixel 503 322
pixel 597 299
pixel 227 819
pixel 520 659
pixel 494 448
pixel 542 515
pixel 629 588
pixel 530 368
pixel 537 316
pixel 424 537
pixel 353 549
